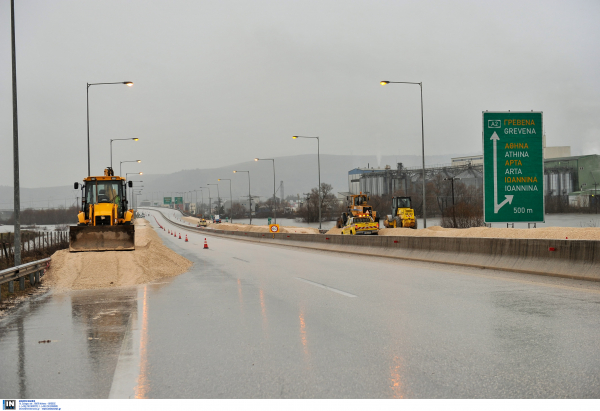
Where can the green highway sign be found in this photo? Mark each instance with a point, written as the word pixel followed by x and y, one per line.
pixel 178 200
pixel 167 200
pixel 513 167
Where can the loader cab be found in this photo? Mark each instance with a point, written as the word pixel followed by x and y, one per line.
pixel 104 190
pixel 401 202
pixel 360 200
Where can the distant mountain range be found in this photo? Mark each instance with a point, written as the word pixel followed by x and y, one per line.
pixel 298 173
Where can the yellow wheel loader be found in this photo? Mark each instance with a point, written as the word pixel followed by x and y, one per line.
pixel 403 215
pixel 105 223
pixel 357 205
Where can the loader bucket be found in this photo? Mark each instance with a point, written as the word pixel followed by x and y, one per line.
pixel 102 238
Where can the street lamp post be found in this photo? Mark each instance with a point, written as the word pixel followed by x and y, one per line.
pixel 451 179
pixel 127 178
pixel 319 167
pixel 209 201
pixel 230 199
pixel 116 139
pixel 196 201
pixel 383 83
pixel 202 194
pixel 128 161
pixel 274 201
pixel 128 83
pixel 249 195
pixel 182 194
pixel 218 196
pixel 133 197
pixel 135 194
pixel 16 180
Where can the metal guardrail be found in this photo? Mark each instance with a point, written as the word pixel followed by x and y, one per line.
pixel 33 269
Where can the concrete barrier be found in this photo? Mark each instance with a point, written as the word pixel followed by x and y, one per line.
pixel 577 259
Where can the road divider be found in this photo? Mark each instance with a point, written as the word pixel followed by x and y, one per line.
pixel 576 259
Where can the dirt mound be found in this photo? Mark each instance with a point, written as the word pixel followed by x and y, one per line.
pixel 149 261
pixel 558 233
pixel 253 228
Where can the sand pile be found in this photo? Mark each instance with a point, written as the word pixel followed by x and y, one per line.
pixel 253 228
pixel 572 233
pixel 149 261
pixel 192 220
pixel 558 233
pixel 263 228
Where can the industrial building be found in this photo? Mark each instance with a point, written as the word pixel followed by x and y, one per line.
pixel 575 177
pixel 387 181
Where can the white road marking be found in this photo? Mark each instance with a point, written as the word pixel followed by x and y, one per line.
pixel 335 290
pixel 128 362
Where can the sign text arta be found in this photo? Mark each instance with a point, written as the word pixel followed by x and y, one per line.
pixel 513 167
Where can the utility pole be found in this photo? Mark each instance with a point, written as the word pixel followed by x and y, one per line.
pixel 595 194
pixel 451 179
pixel 17 191
pixel 596 197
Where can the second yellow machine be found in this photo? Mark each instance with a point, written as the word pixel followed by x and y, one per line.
pixel 104 222
pixel 403 215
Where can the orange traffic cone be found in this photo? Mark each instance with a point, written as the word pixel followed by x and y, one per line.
pixel 186 240
pixel 205 244
pixel 180 236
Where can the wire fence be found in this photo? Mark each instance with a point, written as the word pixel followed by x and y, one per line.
pixel 35 245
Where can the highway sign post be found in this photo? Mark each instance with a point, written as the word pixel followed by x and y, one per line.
pixel 513 167
pixel 166 200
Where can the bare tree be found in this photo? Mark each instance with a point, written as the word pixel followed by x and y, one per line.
pixel 309 211
pixel 239 211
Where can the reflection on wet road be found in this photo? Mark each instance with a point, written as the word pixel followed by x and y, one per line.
pixel 258 321
pixel 141 390
pixel 85 329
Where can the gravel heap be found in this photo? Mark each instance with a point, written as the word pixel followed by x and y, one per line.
pixel 253 228
pixel 150 261
pixel 558 233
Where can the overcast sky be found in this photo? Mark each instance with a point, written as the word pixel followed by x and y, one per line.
pixel 220 82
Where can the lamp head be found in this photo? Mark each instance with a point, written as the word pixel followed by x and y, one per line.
pixel 234 171
pixel 135 139
pixel 219 179
pixel 384 82
pixel 141 173
pixel 139 161
pixel 294 137
pixel 256 159
pixel 128 83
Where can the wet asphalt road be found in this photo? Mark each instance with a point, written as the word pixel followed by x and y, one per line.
pixel 259 321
